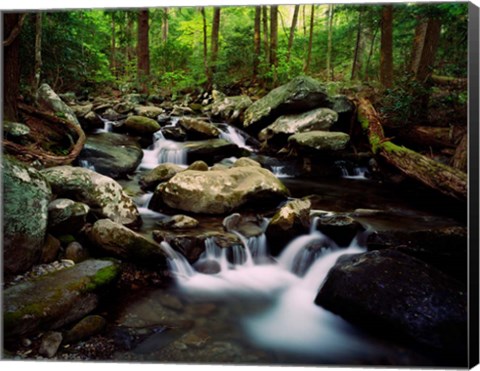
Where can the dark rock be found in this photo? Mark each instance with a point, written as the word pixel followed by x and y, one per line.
pixel 345 109
pixel 340 228
pixel 398 296
pixel 50 343
pixel 50 249
pixel 197 129
pixel 140 125
pixel 174 133
pixel 207 266
pixel 212 151
pixel 87 327
pixel 230 109
pixel 66 216
pixel 76 252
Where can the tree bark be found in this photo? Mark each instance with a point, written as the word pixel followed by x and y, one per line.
pixel 113 52
pixel 460 158
pixel 292 31
pixel 306 67
pixel 214 45
pixel 304 19
pixel 265 32
pixel 165 26
pixel 205 43
pixel 386 47
pixel 370 53
pixel 143 62
pixel 256 41
pixel 274 41
pixel 442 178
pixel 357 60
pixel 329 41
pixel 427 36
pixel 38 52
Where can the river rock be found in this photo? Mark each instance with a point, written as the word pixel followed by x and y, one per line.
pixel 56 299
pixel 81 110
pixel 25 215
pixel 50 343
pixel 317 119
pixel 340 228
pixel 15 130
pixel 199 166
pixel 140 125
pixel 120 241
pixel 113 155
pixel 197 129
pixel 174 133
pixel 134 99
pixel 245 161
pixel 102 194
pixel 396 295
pixel 345 109
pixel 221 191
pixel 179 222
pixel 319 141
pixel 76 252
pixel 66 216
pixel 47 98
pixel 292 220
pixel 159 174
pixel 87 327
pixel 50 249
pixel 247 226
pixel 111 115
pixel 230 109
pixel 212 151
pixel 92 121
pixel 148 111
pixel 299 95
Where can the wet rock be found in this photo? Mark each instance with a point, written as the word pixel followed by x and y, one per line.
pixel 248 226
pixel 113 155
pixel 87 327
pixel 76 252
pixel 50 249
pixel 230 109
pixel 54 300
pixel 245 161
pixel 162 173
pixel 396 295
pixel 292 220
pixel 140 125
pixel 66 216
pixel 25 213
pixel 319 141
pixel 221 191
pixel 50 343
pixel 148 111
pixel 299 95
pixel 103 195
pixel 199 166
pixel 340 228
pixel 207 266
pixel 174 133
pixel 212 151
pixel 119 241
pixel 318 119
pixel 15 129
pixel 47 98
pixel 92 121
pixel 197 129
pixel 345 109
pixel 179 222
pixel 81 110
pixel 111 115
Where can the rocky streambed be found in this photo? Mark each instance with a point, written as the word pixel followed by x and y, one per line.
pixel 236 233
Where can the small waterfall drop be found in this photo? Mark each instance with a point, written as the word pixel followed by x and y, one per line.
pixel 351 171
pixel 235 136
pixel 107 126
pixel 163 151
pixel 86 165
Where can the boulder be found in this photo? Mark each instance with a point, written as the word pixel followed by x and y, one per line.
pixel 245 161
pixel 292 220
pixel 319 142
pixel 15 130
pixel 160 174
pixel 140 125
pixel 103 195
pixel 199 166
pixel 230 109
pixel 47 98
pixel 345 109
pixel 221 191
pixel 212 151
pixel 197 129
pixel 87 327
pixel 50 343
pixel 317 119
pixel 50 249
pixel 174 133
pixel 66 216
pixel 113 155
pixel 148 111
pixel 398 296
pixel 179 222
pixel 117 240
pixel 25 215
pixel 76 252
pixel 340 228
pixel 299 95
pixel 81 110
pixel 56 299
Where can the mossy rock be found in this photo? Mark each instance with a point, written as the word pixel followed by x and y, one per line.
pixel 231 109
pixel 319 141
pixel 198 130
pixel 141 125
pixel 50 100
pixel 56 299
pixel 66 216
pixel 212 150
pixel 159 174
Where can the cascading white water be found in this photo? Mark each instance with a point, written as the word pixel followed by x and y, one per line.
pixel 354 172
pixel 107 126
pixel 280 172
pixel 234 136
pixel 163 151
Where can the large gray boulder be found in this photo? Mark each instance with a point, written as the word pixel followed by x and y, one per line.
pixel 231 109
pixel 47 98
pixel 113 155
pixel 198 129
pixel 56 299
pixel 317 141
pixel 299 95
pixel 102 194
pixel 220 191
pixel 25 213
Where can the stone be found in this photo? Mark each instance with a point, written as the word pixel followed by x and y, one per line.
pixel 92 121
pixel 15 129
pixel 301 94
pixel 247 226
pixel 345 109
pixel 81 110
pixel 76 252
pixel 50 249
pixel 179 222
pixel 396 295
pixel 103 195
pixel 148 111
pixel 292 220
pixel 199 166
pixel 207 266
pixel 174 133
pixel 340 228
pixel 119 241
pixel 111 115
pixel 111 154
pixel 245 161
pixel 134 99
pixel 319 141
pixel 221 191
pixel 123 107
pixel 197 129
pixel 212 150
pixel 56 299
pixel 50 343
pixel 66 216
pixel 162 173
pixel 87 327
pixel 230 109
pixel 47 98
pixel 25 215
pixel 140 125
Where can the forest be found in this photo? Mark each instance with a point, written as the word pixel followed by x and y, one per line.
pixel 271 184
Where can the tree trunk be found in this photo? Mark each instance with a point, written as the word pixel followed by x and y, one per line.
pixel 129 51
pixel 165 26
pixel 304 18
pixel 113 52
pixel 306 67
pixel 442 178
pixel 357 58
pixel 386 47
pixel 143 54
pixel 292 31
pixel 205 43
pixel 274 41
pixel 370 53
pixel 214 44
pixel 427 35
pixel 38 52
pixel 265 33
pixel 12 24
pixel 329 41
pixel 256 41
pixel 460 158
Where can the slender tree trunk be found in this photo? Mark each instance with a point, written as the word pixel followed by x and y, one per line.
pixel 214 44
pixel 306 66
pixel 113 52
pixel 386 47
pixel 370 53
pixel 256 41
pixel 165 26
pixel 357 58
pixel 143 54
pixel 329 41
pixel 292 31
pixel 274 41
pixel 205 43
pixel 265 33
pixel 304 17
pixel 12 24
pixel 38 51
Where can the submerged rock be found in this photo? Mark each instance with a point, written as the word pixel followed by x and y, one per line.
pixel 50 100
pixel 54 300
pixel 231 109
pixel 197 129
pixel 103 195
pixel 396 295
pixel 25 212
pixel 141 125
pixel 319 141
pixel 162 173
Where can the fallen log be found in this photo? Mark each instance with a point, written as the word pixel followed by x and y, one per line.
pixel 458 82
pixel 460 158
pixel 429 136
pixel 443 178
pixel 45 128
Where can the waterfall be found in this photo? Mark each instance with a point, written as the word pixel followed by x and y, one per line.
pixel 86 164
pixel 107 126
pixel 234 135
pixel 279 172
pixel 177 262
pixel 350 171
pixel 163 151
